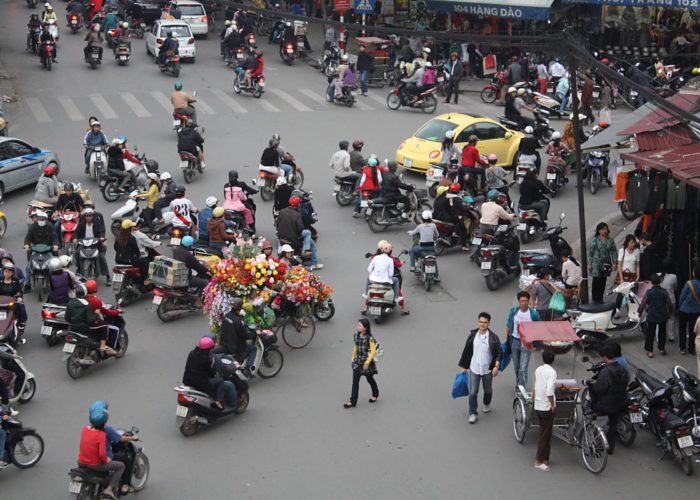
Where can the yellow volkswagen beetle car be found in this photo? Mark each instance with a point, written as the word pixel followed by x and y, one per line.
pixel 418 152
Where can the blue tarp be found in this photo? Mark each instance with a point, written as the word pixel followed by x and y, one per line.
pixel 679 4
pixel 511 9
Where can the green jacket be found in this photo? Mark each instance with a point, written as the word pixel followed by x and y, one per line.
pixel 79 314
pixel 601 252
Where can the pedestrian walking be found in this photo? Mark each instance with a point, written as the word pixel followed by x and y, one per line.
pixel 669 282
pixel 481 356
pixel 602 260
pixel 363 362
pixel 521 356
pixel 545 407
pixel 689 305
pixel 456 74
pixel 658 305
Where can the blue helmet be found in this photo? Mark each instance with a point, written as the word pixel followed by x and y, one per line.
pixel 187 241
pixel 372 162
pixel 98 405
pixel 492 195
pixel 99 417
pixel 178 86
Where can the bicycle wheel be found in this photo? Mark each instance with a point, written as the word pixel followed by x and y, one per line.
pixel 298 331
pixel 594 448
pixel 520 423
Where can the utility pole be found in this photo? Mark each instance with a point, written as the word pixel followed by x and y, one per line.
pixel 573 70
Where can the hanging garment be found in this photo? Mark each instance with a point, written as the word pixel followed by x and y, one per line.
pixel 637 191
pixel 657 193
pixel 621 186
pixel 676 195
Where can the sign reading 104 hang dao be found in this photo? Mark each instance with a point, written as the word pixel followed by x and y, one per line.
pixel 510 9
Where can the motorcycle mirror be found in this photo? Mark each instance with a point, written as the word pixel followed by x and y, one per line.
pixel 561 217
pixel 134 430
pixel 194 93
pixel 368 255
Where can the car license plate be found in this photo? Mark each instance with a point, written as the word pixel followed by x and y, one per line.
pixel 336 188
pixel 595 95
pixel 157 299
pixel 74 487
pixel 636 418
pixel 184 164
pixel 181 411
pixel 486 265
pixel 364 203
pixel 290 51
pixel 176 123
pixel 46 331
pixel 375 311
pixel 522 227
pixel 551 177
pixel 175 241
pixel 440 79
pixel 407 162
pixel 685 441
pixel 429 269
pixel 476 241
pixel 68 347
pixel 262 84
pixel 3 315
pixel 118 277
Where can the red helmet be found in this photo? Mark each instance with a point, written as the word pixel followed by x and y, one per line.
pixel 258 53
pixel 357 145
pixel 49 171
pixel 295 201
pixel 515 58
pixel 604 61
pixel 455 188
pixel 91 286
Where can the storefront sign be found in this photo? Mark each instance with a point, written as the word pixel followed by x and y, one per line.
pixel 679 4
pixel 511 9
pixel 342 5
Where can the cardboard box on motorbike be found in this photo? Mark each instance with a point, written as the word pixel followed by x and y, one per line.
pixel 168 272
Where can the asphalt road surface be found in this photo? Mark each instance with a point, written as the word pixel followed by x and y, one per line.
pixel 295 440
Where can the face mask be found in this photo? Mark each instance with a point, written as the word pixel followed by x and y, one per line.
pixel 41 223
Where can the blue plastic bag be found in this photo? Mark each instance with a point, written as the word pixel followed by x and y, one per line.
pixel 507 356
pixel 461 386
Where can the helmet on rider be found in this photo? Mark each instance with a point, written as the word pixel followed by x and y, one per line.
pixel 206 343
pixel 232 176
pixel 357 145
pixel 88 211
pixel 80 291
pixel 55 265
pixel 450 134
pixel 294 202
pixel 125 25
pixel 218 212
pixel 165 176
pixel 427 215
pixel 211 201
pixel 98 405
pixel 372 162
pixel 128 224
pixel 68 187
pixel 49 171
pixel 99 417
pixel 345 58
pixel 276 137
pixel 281 181
pixel 454 188
pixel 512 89
pixel 556 136
pixel 96 28
pixel 266 244
pixel 236 304
pixel 187 241
pixel 343 144
pixel 153 176
pixel 258 53
pixel 65 260
pixel 179 191
pixel 521 91
pixel 91 286
pixel 493 158
pixel 492 194
pixel 227 23
pixel 178 85
pixel 528 130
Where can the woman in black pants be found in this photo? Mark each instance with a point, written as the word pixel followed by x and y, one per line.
pixel 602 254
pixel 362 362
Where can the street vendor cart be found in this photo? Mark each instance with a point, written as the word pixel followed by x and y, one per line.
pixel 382 61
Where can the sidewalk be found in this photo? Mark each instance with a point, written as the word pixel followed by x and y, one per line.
pixel 7 90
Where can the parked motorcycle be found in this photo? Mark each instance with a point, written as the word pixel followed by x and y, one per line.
pixel 257 88
pixel 89 484
pixel 346 96
pixel 382 213
pixel 492 90
pixel 24 447
pixel 542 258
pixel 688 401
pixel 171 66
pixel 80 351
pixel 499 259
pixel 426 101
pixel 21 384
pixel 98 161
pixel 39 263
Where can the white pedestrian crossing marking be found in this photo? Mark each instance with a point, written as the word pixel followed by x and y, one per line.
pixel 163 100
pixel 70 108
pixel 138 108
pixel 228 101
pixel 267 106
pixel 204 107
pixel 299 106
pixel 38 110
pixel 103 106
pixel 313 96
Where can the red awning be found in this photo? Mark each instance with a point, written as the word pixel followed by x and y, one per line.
pixel 683 162
pixel 546 331
pixel 660 119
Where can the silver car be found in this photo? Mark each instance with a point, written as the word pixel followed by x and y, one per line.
pixel 21 164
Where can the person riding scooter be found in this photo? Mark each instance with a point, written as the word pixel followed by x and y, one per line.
pixel 392 185
pixel 61 283
pixel 39 233
pixel 82 320
pixel 191 141
pixel 170 48
pixel 557 152
pixel 253 68
pixel 181 102
pixel 98 307
pixel 93 39
pixel 290 228
pixel 235 334
pixel 528 148
pixel 184 211
pixel 201 375
pixel 10 286
pixel 184 254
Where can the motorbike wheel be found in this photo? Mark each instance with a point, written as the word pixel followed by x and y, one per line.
pixel 627 213
pixel 526 237
pixel 122 344
pixel 373 223
pixel 694 425
pixel 324 310
pixel 163 311
pixel 116 227
pixel 488 95
pixel 176 70
pixel 236 85
pixel 440 247
pixel 266 192
pixel 243 403
pixel 189 427
pixel 427 283
pixel 594 181
pixel 28 391
pixel 90 269
pixel 330 68
pixel 188 174
pixel 110 191
pixel 75 370
pixel 257 91
pixel 594 448
pixel 393 101
pixel 685 461
pixel 272 362
pixel 350 101
pixel 3 226
pixel 520 423
pixel 298 179
pixel 141 469
pixel 344 197
pixel 626 433
pixel 492 282
pixel 48 62
pixel 28 451
pixel 552 186
pixel 432 191
pixel 429 104
pixel 52 340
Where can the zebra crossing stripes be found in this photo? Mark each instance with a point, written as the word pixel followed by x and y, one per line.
pixel 203 107
pixel 313 96
pixel 163 100
pixel 38 110
pixel 70 108
pixel 138 108
pixel 103 107
pixel 228 101
pixel 298 105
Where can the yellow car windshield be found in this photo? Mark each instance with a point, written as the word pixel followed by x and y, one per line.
pixel 435 130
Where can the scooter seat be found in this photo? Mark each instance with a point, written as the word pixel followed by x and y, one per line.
pixel 509 123
pixel 673 421
pixel 596 308
pixel 54 306
pixel 377 284
pixel 444 222
pixel 123 266
pixel 653 383
pixel 89 474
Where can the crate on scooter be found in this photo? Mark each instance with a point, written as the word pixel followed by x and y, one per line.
pixel 168 272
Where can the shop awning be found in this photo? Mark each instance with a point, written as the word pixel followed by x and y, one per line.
pixel 660 119
pixel 546 331
pixel 609 138
pixel 683 162
pixel 511 9
pixel 678 4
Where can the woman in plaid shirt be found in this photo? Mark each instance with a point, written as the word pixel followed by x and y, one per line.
pixel 362 362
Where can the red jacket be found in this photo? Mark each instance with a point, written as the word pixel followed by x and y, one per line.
pixel 97 305
pixel 259 64
pixel 470 157
pixel 369 182
pixel 93 447
pixel 96 7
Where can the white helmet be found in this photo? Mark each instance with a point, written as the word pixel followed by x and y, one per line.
pixel 512 89
pixel 281 181
pixel 345 58
pixel 426 50
pixel 65 260
pixel 211 201
pixel 96 28
pixel 165 176
pixel 227 22
pixel 521 91
pixel 528 130
pixel 555 136
pixel 125 25
pixel 450 134
pixel 427 215
pixel 153 176
pixel 428 64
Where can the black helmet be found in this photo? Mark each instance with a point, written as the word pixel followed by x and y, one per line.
pixel 236 304
pixel 170 34
pixel 232 176
pixel 80 291
pixel 189 122
pixel 179 191
pixel 343 144
pixel 7 255
pixel 68 186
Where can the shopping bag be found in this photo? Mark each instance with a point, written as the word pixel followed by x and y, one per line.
pixel 507 356
pixel 557 303
pixel 461 386
pixel 605 115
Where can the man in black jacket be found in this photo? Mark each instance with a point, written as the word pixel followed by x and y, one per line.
pixel 392 186
pixel 456 74
pixel 234 337
pixel 290 228
pixel 481 356
pixel 39 233
pixel 92 227
pixel 200 374
pixel 189 140
pixel 364 65
pixel 609 393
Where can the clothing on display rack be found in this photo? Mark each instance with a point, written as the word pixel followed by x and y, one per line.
pixel 676 195
pixel 657 191
pixel 621 186
pixel 637 190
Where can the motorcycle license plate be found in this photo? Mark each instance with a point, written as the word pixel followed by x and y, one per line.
pixel 239 56
pixel 368 212
pixel 486 265
pixel 407 162
pixel 118 277
pixel 336 188
pixel 176 123
pixel 181 411
pixel 74 487
pixel 3 315
pixel 429 269
pixel 95 56
pixel 184 164
pixel 46 331
pixel 363 204
pixel 175 241
pixel 375 311
pixel 551 177
pixel 636 418
pixel 300 45
pixel 476 241
pixel 522 226
pixel 440 79
pixel 595 95
pixel 157 299
pixel 290 51
pixel 685 441
pixel 74 22
pixel 123 58
pixel 68 348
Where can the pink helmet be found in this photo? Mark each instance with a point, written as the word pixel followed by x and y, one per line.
pixel 206 343
pixel 493 157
